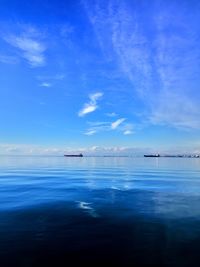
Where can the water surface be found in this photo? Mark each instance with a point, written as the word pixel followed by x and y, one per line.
pixel 57 211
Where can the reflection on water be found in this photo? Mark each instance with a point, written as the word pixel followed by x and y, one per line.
pixel 58 211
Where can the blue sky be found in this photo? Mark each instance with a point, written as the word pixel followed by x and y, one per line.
pixel 99 76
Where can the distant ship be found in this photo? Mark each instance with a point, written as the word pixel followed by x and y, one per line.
pixel 74 155
pixel 173 156
pixel 152 156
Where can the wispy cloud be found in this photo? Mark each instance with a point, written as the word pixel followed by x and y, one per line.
pixel 50 80
pixel 45 84
pixel 176 110
pixel 90 132
pixel 31 48
pixel 91 106
pixel 128 129
pixel 128 132
pixel 8 59
pixel 88 108
pixel 119 125
pixel 112 114
pixel 94 97
pixel 96 127
pixel 116 123
pixel 152 58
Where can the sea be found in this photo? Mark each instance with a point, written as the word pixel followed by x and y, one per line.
pixel 99 211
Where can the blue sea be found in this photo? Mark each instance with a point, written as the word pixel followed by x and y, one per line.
pixel 57 211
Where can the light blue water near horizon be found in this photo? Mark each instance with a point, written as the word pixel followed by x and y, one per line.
pixel 125 211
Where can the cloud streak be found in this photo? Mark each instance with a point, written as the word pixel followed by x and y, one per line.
pixel 115 124
pixel 128 132
pixel 91 106
pixel 111 114
pixel 118 125
pixel 8 59
pixel 148 45
pixel 90 132
pixel 45 84
pixel 31 48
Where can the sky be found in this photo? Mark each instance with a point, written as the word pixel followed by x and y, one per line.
pixel 99 77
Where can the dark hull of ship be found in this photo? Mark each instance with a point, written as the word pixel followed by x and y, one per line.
pixel 152 156
pixel 80 156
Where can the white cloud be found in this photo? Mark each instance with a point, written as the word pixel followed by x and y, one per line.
pixel 116 123
pixel 31 48
pixel 98 123
pixel 112 114
pixel 46 84
pixel 23 149
pixel 94 97
pixel 127 129
pixel 176 110
pixel 88 108
pixel 8 59
pixel 90 132
pixel 128 132
pixel 106 126
pixel 164 79
pixel 92 105
pixel 96 127
pixel 50 80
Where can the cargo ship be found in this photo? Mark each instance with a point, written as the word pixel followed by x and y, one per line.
pixel 152 156
pixel 73 155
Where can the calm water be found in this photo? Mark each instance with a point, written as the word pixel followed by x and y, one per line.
pixel 57 211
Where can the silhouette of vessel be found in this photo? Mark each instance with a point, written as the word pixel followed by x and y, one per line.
pixel 152 156
pixel 73 155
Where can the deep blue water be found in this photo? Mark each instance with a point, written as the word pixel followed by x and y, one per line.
pixel 57 211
